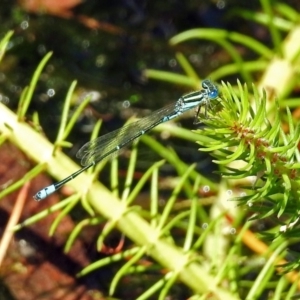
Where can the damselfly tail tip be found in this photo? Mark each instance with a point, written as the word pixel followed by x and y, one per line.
pixel 45 192
pixel 39 196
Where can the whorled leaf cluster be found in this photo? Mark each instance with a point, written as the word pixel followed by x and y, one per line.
pixel 241 131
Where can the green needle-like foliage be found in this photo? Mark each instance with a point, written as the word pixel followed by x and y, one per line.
pixel 242 132
pixel 245 138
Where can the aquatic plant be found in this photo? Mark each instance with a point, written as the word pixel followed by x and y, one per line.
pixel 200 241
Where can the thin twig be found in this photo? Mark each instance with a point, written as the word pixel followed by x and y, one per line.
pixel 13 220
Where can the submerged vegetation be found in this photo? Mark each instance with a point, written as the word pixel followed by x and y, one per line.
pixel 202 241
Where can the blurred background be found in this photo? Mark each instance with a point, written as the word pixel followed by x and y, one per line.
pixel 107 46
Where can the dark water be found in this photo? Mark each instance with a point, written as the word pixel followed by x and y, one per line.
pixel 111 62
pixel 108 61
